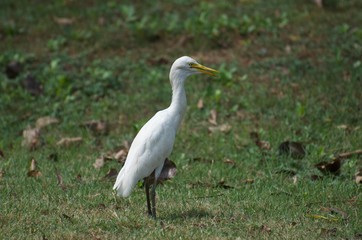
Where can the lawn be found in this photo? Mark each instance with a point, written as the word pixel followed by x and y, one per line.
pixel 270 149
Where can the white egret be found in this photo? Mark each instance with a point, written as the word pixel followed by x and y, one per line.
pixel 154 142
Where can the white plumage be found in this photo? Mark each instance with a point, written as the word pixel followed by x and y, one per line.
pixel 154 142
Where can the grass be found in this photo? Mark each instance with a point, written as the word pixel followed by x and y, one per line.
pixel 289 71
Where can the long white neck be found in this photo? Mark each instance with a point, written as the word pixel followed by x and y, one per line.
pixel 179 102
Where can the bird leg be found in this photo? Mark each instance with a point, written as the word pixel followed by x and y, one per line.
pixel 153 195
pixel 147 189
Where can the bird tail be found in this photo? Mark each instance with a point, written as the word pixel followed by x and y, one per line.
pixel 124 185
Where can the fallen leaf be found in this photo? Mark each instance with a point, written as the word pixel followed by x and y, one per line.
pixel 316 216
pixel 295 179
pixel 121 155
pixel 358 177
pixel 294 149
pixel 32 85
pixel 168 172
pixel 332 167
pixel 224 128
pixel 247 181
pixel 101 206
pixel 64 21
pixel 13 69
pixel 33 171
pixel 229 161
pixel 112 173
pixel 223 185
pixel 349 154
pixel 45 121
pixel 343 126
pixel 335 211
pixel 78 177
pixel 97 127
pixel 60 180
pixel 67 217
pixel 266 229
pixel 200 104
pixel 213 117
pixel 319 3
pixel 99 163
pixel 31 138
pixel 263 145
pixel 65 142
pixel 32 165
pixel 101 21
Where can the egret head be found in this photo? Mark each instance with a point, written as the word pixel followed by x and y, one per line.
pixel 185 66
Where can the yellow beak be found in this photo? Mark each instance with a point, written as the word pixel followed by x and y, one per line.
pixel 203 69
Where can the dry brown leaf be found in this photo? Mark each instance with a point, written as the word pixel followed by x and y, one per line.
pixel 294 149
pixel 349 154
pixel 223 185
pixel 78 177
pixel 335 211
pixel 247 181
pixel 60 180
pixel 33 171
pixel 229 161
pixel 101 21
pixel 168 172
pixel 213 117
pixel 97 127
pixel 358 177
pixel 224 128
pixel 45 121
pixel 99 163
pixel 263 145
pixel 265 228
pixel 31 138
pixel 121 155
pixel 65 142
pixel 332 167
pixel 64 21
pixel 200 104
pixel 319 3
pixel 112 173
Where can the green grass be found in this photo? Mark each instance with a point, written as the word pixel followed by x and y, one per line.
pixel 289 71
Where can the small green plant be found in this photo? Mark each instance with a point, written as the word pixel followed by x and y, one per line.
pixel 55 44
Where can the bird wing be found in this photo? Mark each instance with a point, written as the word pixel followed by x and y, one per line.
pixel 152 145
